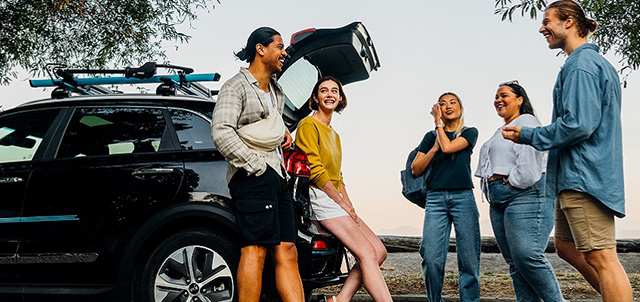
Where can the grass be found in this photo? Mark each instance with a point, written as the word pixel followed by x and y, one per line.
pixel 493 284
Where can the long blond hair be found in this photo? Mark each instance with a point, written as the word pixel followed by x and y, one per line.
pixel 461 119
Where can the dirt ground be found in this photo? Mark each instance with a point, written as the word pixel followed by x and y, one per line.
pixel 403 274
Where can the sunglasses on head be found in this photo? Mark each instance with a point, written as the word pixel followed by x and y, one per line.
pixel 509 83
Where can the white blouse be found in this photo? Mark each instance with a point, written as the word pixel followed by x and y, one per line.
pixel 523 164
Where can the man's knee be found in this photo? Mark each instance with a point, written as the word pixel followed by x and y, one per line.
pixel 251 259
pixel 601 259
pixel 285 253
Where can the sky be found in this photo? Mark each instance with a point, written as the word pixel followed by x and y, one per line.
pixel 425 48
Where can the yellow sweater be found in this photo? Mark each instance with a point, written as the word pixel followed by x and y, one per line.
pixel 322 145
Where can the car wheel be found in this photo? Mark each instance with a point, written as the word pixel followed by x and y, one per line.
pixel 196 265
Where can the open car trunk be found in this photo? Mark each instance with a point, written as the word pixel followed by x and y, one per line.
pixel 346 53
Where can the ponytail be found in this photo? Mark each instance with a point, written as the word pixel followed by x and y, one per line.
pixel 262 35
pixel 569 8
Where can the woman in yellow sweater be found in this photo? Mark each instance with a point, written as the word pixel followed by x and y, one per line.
pixel 329 199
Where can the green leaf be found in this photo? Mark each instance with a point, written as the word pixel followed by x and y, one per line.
pixel 89 33
pixel 618 25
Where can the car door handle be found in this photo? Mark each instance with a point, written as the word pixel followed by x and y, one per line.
pixel 148 171
pixel 9 180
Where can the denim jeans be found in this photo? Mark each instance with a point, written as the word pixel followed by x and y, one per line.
pixel 522 220
pixel 442 209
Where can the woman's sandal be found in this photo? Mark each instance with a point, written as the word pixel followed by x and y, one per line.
pixel 333 298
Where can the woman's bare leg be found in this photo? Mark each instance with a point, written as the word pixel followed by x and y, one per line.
pixel 369 251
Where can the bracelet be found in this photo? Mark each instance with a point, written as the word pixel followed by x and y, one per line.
pixel 439 126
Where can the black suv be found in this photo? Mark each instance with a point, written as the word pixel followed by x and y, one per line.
pixel 125 196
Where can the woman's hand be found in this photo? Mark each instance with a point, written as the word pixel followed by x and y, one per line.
pixel 352 212
pixel 506 181
pixel 348 205
pixel 437 114
pixel 342 199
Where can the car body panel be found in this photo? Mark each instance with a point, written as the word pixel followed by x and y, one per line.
pixel 87 203
pixel 21 144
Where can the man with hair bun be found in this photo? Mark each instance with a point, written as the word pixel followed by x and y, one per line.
pixel 584 169
pixel 248 130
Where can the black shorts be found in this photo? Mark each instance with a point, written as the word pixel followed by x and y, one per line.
pixel 264 208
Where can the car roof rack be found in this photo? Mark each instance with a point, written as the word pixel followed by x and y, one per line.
pixel 184 81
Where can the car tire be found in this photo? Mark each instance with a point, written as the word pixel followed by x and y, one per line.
pixel 308 294
pixel 198 265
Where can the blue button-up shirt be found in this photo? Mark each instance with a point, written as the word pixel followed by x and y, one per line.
pixel 585 135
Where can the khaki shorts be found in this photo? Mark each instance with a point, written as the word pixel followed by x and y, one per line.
pixel 583 219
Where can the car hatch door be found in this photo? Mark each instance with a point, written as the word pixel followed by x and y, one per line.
pixel 347 53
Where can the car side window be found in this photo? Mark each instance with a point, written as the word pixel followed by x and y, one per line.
pixel 110 131
pixel 21 134
pixel 194 132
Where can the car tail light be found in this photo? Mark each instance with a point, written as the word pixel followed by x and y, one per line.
pixel 296 163
pixel 301 35
pixel 319 245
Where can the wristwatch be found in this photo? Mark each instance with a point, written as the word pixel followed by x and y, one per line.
pixel 439 126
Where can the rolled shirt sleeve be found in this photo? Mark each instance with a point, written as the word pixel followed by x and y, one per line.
pixel 577 117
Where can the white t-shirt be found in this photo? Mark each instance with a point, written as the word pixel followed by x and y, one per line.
pixel 268 96
pixel 523 164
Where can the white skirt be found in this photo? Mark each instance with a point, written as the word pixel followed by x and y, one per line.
pixel 323 207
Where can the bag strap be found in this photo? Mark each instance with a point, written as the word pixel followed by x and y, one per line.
pixel 276 108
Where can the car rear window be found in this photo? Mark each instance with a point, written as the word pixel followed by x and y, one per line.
pixel 297 82
pixel 194 132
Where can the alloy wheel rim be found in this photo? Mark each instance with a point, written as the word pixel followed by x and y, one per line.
pixel 194 274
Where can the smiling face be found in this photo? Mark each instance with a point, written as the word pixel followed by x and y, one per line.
pixel 507 104
pixel 273 55
pixel 553 29
pixel 328 96
pixel 450 107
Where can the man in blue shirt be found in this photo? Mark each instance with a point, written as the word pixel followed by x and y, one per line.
pixel 584 170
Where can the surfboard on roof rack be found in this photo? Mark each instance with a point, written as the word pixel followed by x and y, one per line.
pixel 184 81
